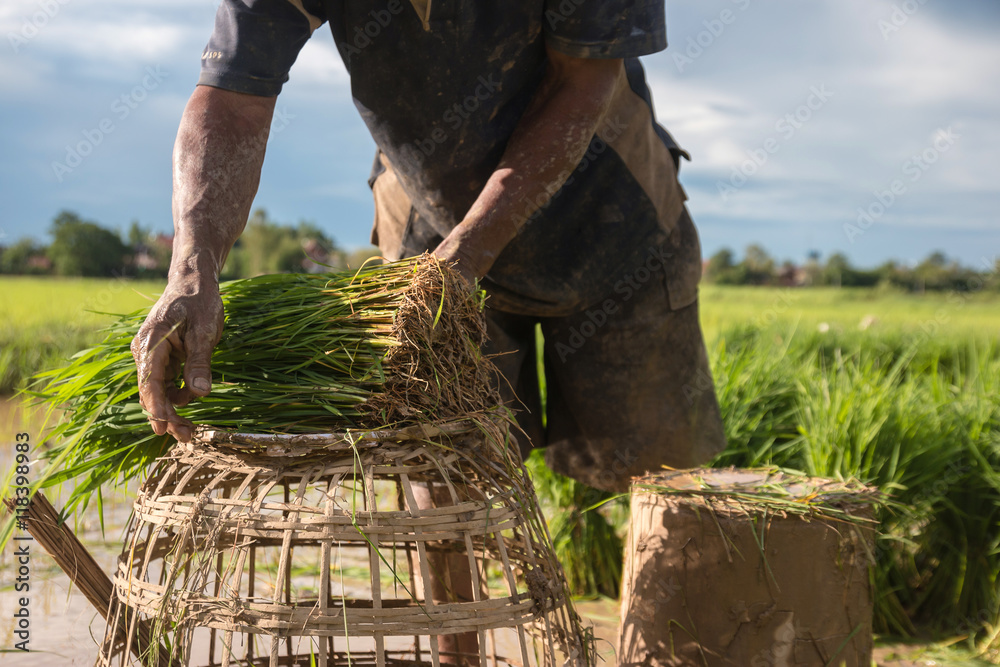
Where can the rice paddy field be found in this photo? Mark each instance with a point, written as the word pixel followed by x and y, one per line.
pixel 897 390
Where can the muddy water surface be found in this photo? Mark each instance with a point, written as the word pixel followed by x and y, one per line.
pixel 63 625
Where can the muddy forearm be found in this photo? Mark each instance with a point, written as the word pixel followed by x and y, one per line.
pixel 547 145
pixel 217 160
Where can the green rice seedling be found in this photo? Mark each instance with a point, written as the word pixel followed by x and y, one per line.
pixel 299 353
pixel 757 393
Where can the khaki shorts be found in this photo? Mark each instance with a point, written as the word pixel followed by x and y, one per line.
pixel 627 380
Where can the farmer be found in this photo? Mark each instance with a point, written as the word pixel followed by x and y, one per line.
pixel 514 138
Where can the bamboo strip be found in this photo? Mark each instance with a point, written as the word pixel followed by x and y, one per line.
pixel 43 523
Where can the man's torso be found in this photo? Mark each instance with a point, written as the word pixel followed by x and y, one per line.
pixel 441 85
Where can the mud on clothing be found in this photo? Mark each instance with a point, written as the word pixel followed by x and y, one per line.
pixel 441 85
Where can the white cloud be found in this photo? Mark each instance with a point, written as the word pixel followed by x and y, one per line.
pixel 319 63
pixel 890 97
pixel 927 62
pixel 114 43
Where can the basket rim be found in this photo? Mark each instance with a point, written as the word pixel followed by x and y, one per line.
pixel 292 444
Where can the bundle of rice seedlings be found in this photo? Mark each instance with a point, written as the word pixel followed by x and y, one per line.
pixel 385 345
pixel 775 491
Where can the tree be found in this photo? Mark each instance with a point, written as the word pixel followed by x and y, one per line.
pixel 935 272
pixel 813 269
pixel 719 264
pixel 356 258
pixel 20 257
pixel 267 246
pixel 759 265
pixel 138 236
pixel 839 273
pixel 723 270
pixel 83 248
pixel 836 266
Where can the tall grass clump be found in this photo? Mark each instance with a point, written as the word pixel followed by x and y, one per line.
pixel 915 416
pixel 585 526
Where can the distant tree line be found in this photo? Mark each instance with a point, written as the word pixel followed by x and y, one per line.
pixel 935 273
pixel 85 248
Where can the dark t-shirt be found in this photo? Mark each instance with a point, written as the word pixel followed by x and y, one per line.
pixel 441 85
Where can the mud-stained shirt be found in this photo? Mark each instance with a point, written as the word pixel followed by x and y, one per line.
pixel 441 85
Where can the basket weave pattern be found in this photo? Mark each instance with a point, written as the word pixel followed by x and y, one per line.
pixel 316 550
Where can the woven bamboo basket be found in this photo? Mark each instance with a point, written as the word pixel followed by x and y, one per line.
pixel 248 549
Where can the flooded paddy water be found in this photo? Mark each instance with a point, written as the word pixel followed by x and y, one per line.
pixel 64 627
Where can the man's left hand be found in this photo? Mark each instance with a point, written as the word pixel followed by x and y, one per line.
pixel 548 143
pixel 464 249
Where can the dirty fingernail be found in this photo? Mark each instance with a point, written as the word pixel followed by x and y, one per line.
pixel 201 384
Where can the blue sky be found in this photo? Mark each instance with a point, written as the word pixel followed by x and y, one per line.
pixel 797 115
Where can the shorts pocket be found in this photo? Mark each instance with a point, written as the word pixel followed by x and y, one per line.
pixel 683 274
pixel 392 213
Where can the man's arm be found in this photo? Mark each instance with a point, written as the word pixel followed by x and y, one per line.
pixel 216 169
pixel 548 143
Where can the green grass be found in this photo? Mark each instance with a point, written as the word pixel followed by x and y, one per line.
pixel 917 416
pixel 847 309
pixel 43 321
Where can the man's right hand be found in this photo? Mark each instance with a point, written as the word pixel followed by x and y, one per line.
pixel 179 333
pixel 217 159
